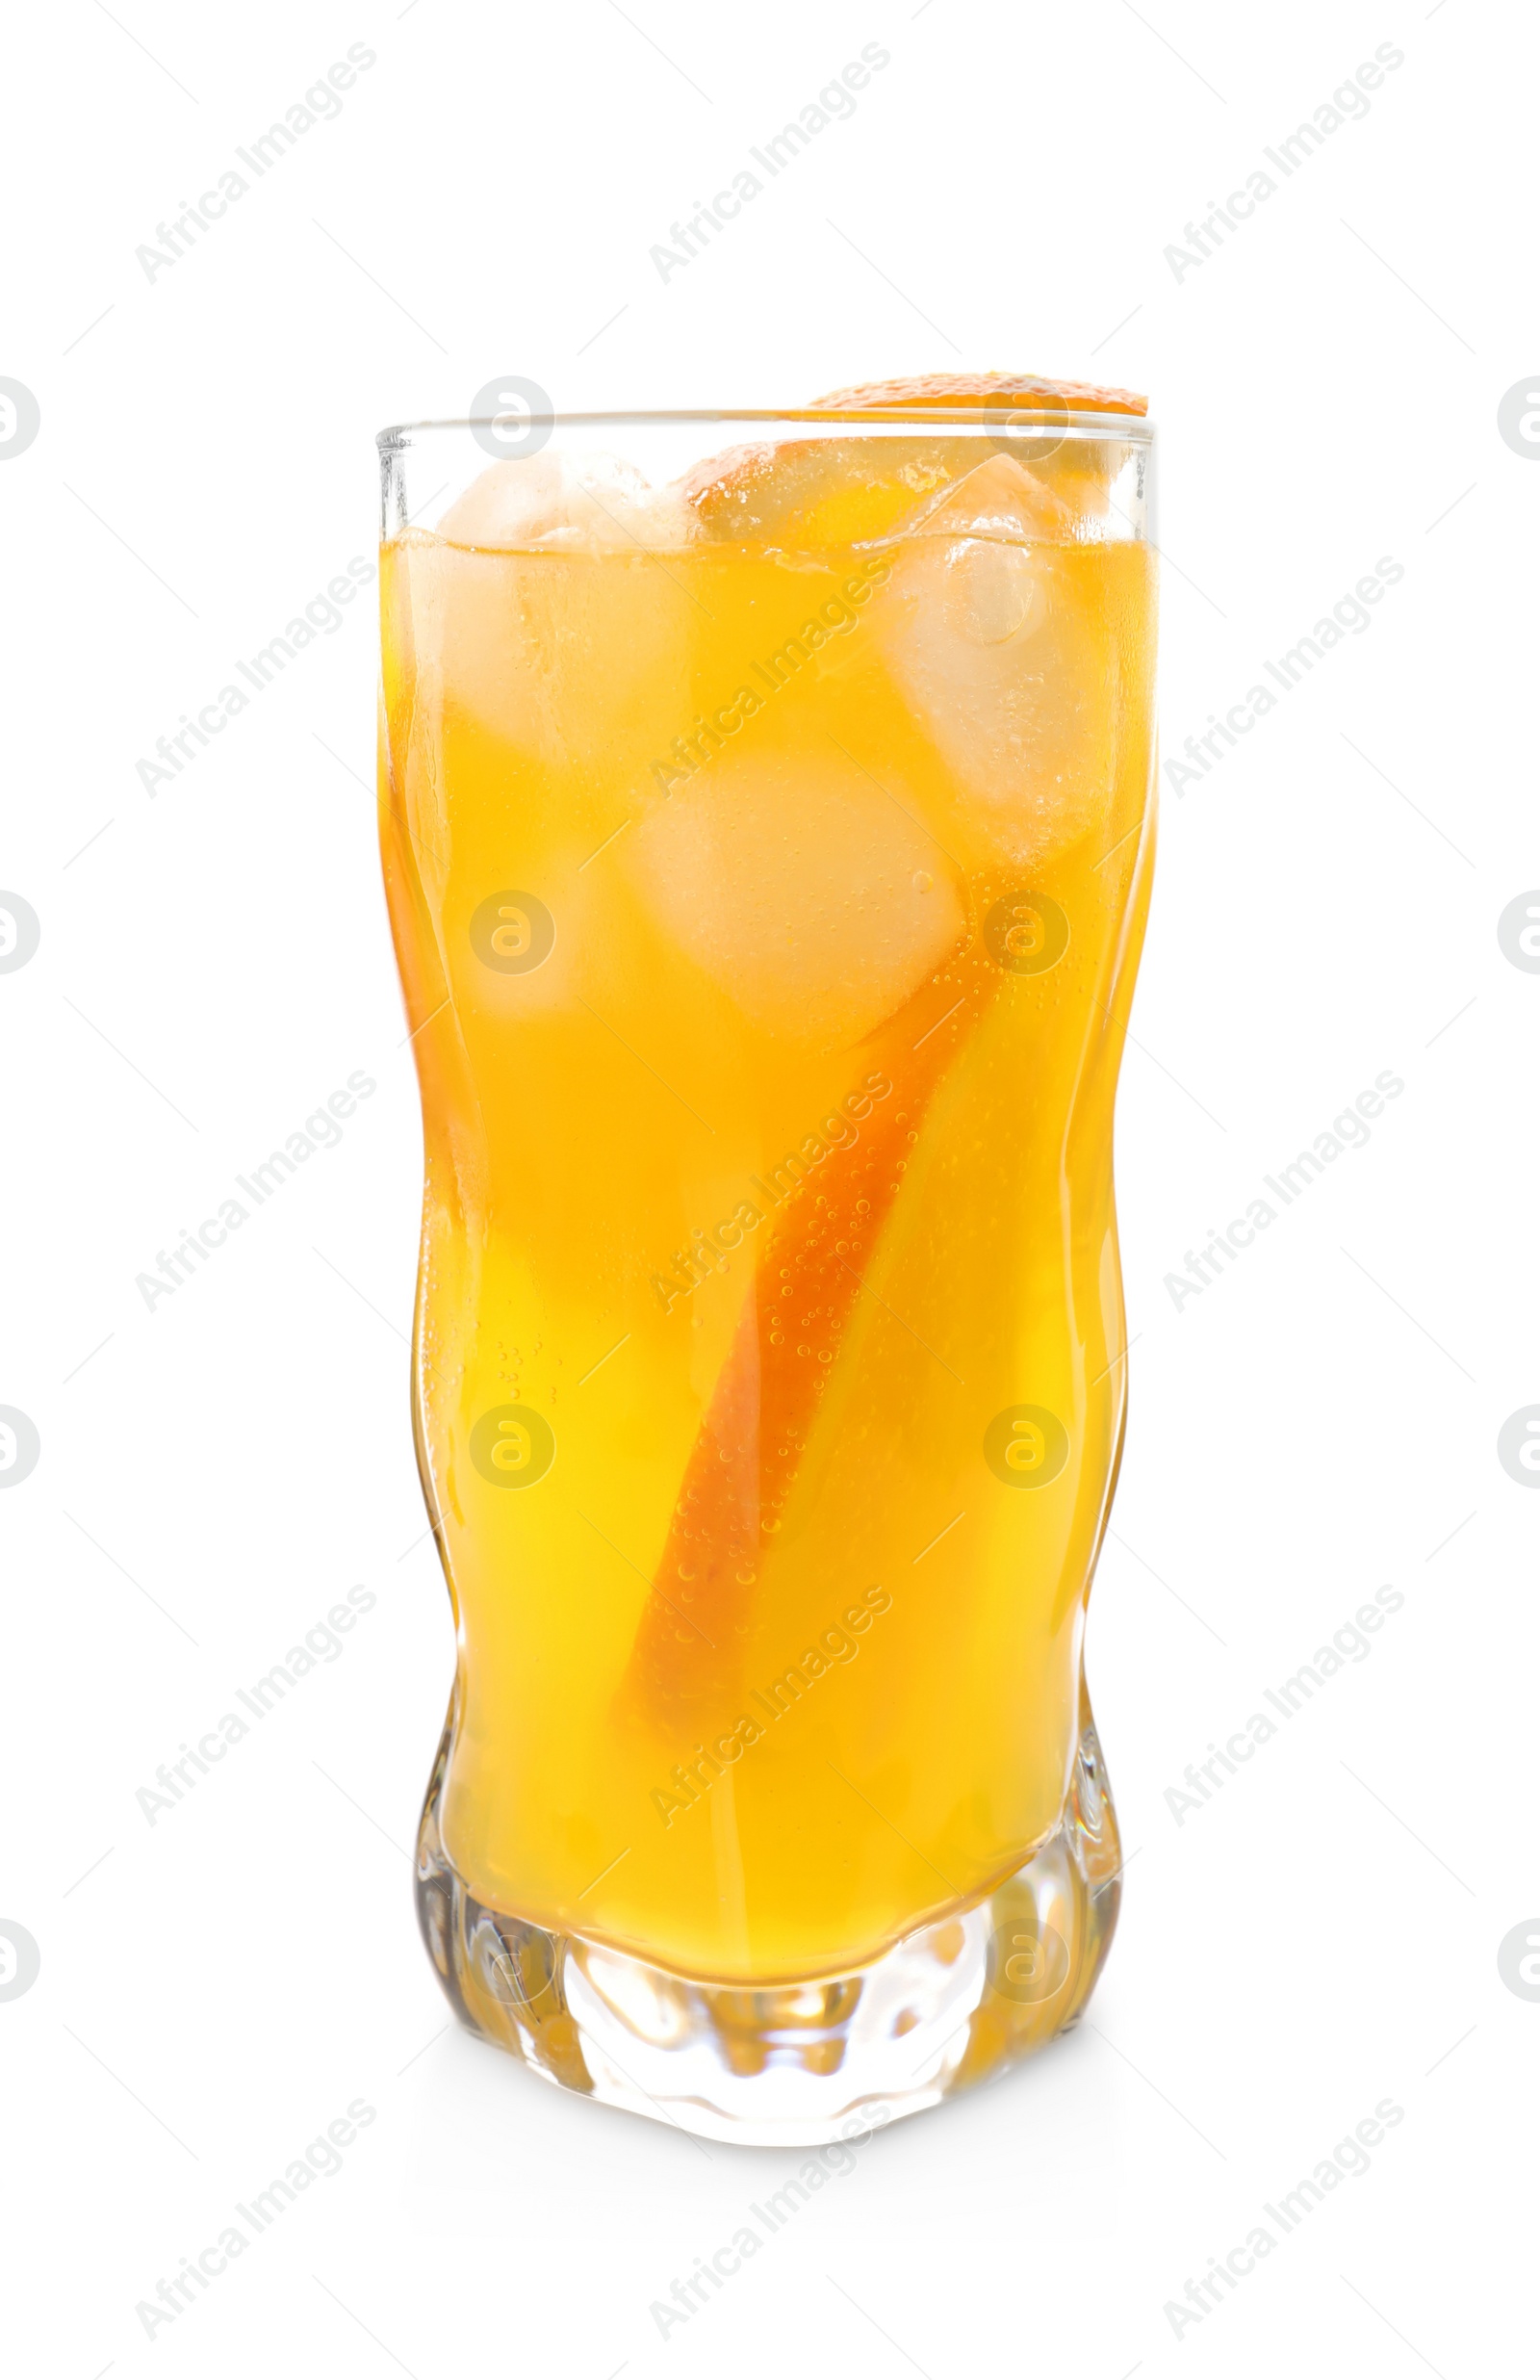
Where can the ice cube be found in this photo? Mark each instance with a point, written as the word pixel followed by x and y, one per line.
pixel 548 605
pixel 997 498
pixel 992 629
pixel 561 503
pixel 576 653
pixel 803 889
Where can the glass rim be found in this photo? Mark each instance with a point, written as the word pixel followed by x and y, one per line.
pixel 1136 429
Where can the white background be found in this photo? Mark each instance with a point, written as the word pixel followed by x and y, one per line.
pixel 1324 1933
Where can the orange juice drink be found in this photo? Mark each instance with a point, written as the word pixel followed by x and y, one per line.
pixel 767 837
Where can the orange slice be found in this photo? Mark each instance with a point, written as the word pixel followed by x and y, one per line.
pixel 937 391
pixel 820 492
pixel 687 1655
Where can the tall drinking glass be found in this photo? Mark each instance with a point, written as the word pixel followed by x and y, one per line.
pixel 766 810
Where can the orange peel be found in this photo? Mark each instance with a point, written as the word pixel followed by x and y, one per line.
pixel 946 391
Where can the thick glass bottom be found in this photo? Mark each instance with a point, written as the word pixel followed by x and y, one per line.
pixel 795 2063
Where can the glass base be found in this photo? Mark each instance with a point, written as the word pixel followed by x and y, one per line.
pixel 792 2064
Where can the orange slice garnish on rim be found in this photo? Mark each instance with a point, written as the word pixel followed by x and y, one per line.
pixel 1009 391
pixel 820 492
